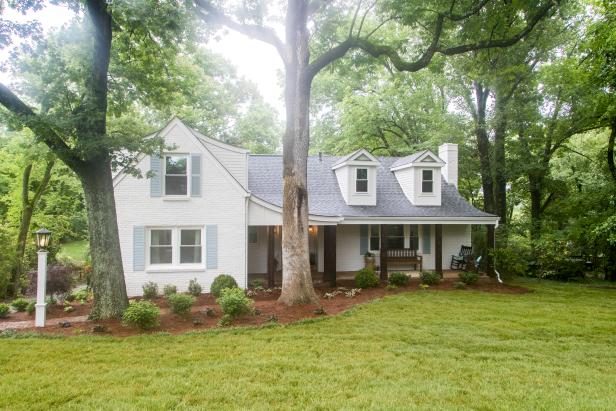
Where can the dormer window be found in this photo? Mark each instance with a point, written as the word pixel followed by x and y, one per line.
pixel 176 175
pixel 427 181
pixel 361 180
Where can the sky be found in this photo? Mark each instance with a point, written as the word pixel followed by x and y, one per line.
pixel 254 60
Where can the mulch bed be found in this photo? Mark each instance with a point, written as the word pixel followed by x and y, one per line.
pixel 265 302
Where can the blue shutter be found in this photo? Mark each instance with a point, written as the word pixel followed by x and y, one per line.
pixel 156 181
pixel 138 248
pixel 425 239
pixel 363 239
pixel 211 246
pixel 195 182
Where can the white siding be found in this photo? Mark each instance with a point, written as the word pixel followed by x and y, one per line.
pixel 342 175
pixel 236 163
pixel 410 181
pixel 257 253
pixel 348 257
pixel 454 236
pixel 221 203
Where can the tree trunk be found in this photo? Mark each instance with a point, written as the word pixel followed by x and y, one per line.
pixel 500 173
pixel 610 151
pixel 483 147
pixel 107 279
pixel 27 210
pixel 536 193
pixel 297 285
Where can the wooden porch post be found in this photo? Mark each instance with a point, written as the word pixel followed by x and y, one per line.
pixel 490 249
pixel 438 248
pixel 271 264
pixel 329 254
pixel 383 252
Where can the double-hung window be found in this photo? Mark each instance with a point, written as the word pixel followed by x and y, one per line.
pixel 361 180
pixel 375 237
pixel 176 175
pixel 161 246
pixel 426 181
pixel 414 237
pixel 175 246
pixel 395 236
pixel 252 235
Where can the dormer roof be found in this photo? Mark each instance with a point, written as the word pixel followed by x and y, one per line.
pixel 361 156
pixel 425 158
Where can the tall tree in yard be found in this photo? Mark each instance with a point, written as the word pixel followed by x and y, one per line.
pixel 72 117
pixel 426 29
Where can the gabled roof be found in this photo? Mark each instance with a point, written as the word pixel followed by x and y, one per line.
pixel 325 199
pixel 359 155
pixel 424 157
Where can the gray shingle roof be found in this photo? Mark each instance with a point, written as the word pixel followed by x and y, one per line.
pixel 325 199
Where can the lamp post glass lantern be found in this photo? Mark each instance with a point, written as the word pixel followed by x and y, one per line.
pixel 42 238
pixel 42 241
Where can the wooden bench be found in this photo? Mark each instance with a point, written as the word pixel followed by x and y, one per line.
pixel 402 256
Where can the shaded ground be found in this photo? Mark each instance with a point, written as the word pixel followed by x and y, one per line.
pixel 266 305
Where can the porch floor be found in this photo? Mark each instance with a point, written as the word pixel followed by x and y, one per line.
pixel 317 277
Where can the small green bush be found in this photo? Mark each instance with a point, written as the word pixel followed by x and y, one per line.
pixel 391 287
pixel 31 307
pixel 399 279
pixel 365 278
pixel 234 302
pixel 225 320
pixel 221 282
pixel 170 289
pixel 4 310
pixel 150 290
pixel 141 314
pixel 468 277
pixel 194 288
pixel 81 295
pixel 458 285
pixel 257 284
pixel 20 304
pixel 430 278
pixel 181 303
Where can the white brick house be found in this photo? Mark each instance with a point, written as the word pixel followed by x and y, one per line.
pixel 212 208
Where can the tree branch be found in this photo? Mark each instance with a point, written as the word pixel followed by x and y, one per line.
pixel 209 13
pixel 41 129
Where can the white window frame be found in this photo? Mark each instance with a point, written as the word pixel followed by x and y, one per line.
pixel 431 181
pixel 188 175
pixel 175 249
pixel 367 180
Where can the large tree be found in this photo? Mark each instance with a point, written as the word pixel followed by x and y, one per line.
pixel 427 29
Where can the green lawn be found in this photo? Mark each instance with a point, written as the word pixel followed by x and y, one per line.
pixel 551 349
pixel 75 250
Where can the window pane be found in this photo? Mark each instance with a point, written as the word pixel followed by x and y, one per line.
pixel 160 255
pixel 191 237
pixel 176 185
pixel 160 237
pixel 190 255
pixel 252 235
pixel 175 165
pixel 426 186
pixel 361 186
pixel 414 230
pixel 414 245
pixel 362 173
pixel 375 243
pixel 427 175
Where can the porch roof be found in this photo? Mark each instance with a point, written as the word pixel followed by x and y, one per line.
pixel 325 199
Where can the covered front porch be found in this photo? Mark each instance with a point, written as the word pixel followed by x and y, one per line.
pixel 337 251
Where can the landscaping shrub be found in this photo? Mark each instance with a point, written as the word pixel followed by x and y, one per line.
pixel 31 307
pixel 4 310
pixel 20 304
pixel 194 288
pixel 221 282
pixel 170 289
pixel 399 279
pixel 60 279
pixel 257 284
pixel 81 296
pixel 150 290
pixel 430 278
pixel 468 277
pixel 555 260
pixel 141 314
pixel 234 302
pixel 365 278
pixel 181 303
pixel 458 285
